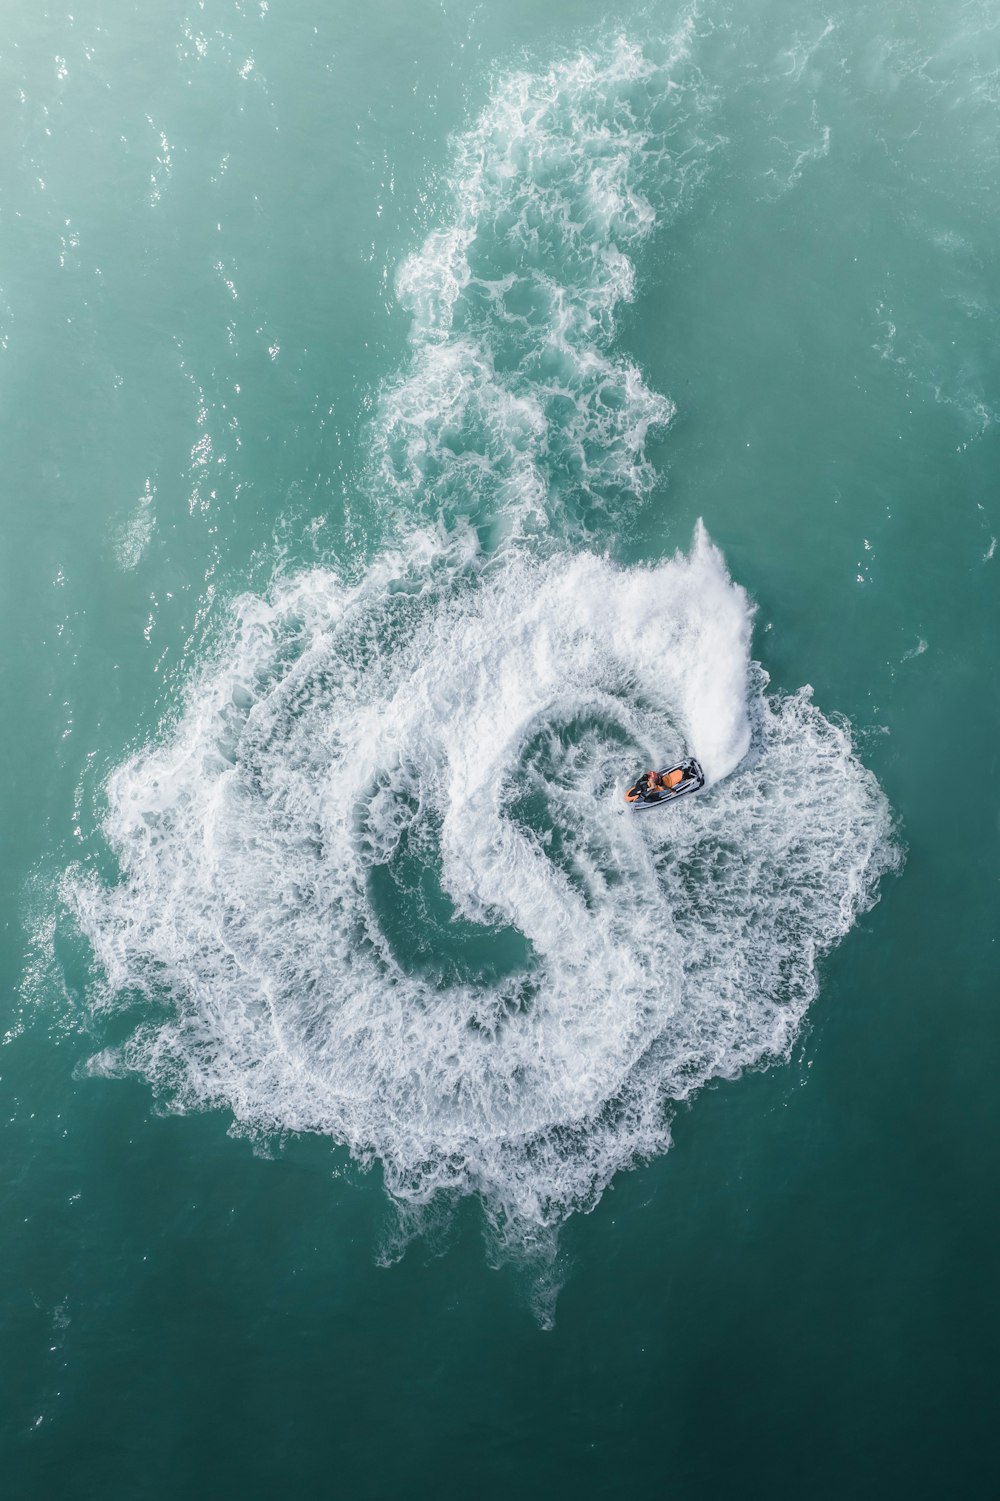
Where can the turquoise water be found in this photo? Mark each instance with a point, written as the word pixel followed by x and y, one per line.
pixel 415 423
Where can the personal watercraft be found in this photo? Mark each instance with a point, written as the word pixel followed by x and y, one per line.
pixel 671 787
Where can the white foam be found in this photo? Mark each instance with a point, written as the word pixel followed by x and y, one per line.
pixel 135 537
pixel 315 770
pixel 514 407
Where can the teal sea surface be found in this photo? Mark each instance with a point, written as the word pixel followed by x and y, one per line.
pixel 414 424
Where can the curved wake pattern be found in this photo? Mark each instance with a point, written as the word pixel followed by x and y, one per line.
pixel 380 870
pixel 384 872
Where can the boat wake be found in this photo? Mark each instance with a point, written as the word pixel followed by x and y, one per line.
pixel 377 880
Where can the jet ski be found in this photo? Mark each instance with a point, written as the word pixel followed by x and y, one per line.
pixel 690 779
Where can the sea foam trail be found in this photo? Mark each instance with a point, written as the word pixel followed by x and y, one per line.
pixel 395 895
pixel 378 879
pixel 514 411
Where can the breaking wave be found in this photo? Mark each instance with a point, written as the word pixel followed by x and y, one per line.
pixel 377 880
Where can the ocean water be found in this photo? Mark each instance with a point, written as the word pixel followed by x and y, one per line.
pixel 415 424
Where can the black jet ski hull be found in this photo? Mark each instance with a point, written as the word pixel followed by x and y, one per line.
pixel 694 780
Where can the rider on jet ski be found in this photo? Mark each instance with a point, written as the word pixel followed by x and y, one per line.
pixel 654 788
pixel 657 782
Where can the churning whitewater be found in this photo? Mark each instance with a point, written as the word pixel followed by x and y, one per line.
pixel 377 879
